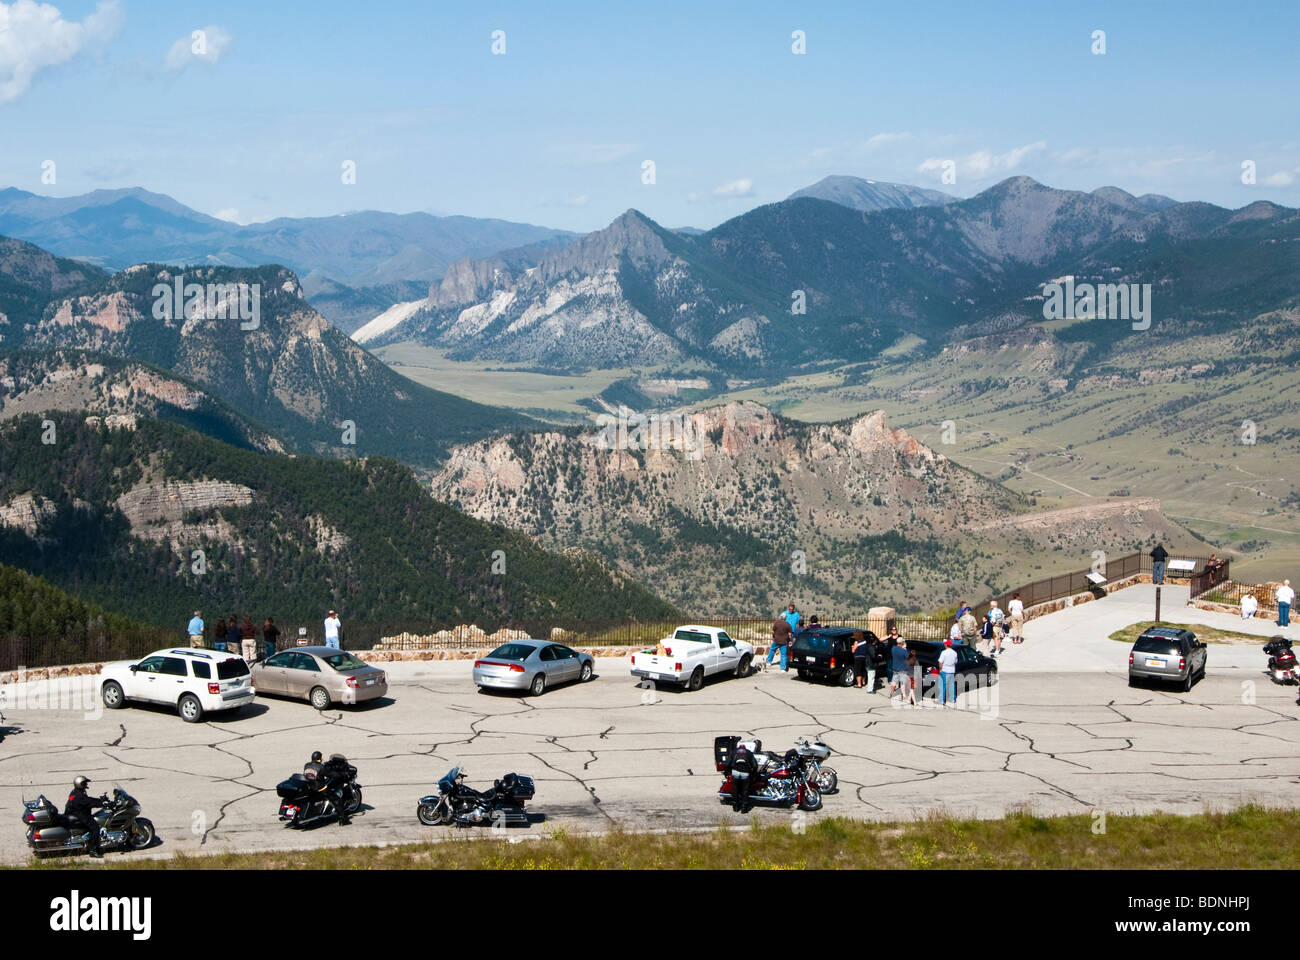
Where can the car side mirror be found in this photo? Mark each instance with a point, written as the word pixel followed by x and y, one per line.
pixel 135 667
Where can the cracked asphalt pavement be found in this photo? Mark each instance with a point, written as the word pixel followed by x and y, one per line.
pixel 1053 742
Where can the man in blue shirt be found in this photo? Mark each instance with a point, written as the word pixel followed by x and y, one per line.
pixel 898 668
pixel 792 617
pixel 195 630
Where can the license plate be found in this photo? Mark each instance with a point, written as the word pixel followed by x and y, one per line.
pixel 370 682
pixel 1155 663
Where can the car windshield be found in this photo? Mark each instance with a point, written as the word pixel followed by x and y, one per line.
pixel 1161 645
pixel 343 661
pixel 813 643
pixel 512 651
pixel 229 669
pixel 694 636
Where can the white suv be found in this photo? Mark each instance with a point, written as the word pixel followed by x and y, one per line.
pixel 191 680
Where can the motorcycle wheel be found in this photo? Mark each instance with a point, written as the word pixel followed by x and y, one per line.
pixel 828 781
pixel 812 798
pixel 354 804
pixel 430 814
pixel 142 835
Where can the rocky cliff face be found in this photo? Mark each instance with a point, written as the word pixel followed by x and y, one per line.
pixel 76 381
pixel 737 483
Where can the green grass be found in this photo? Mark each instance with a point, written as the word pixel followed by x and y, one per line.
pixel 1207 634
pixel 537 393
pixel 1247 837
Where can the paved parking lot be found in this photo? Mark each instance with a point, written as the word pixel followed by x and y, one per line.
pixel 1055 742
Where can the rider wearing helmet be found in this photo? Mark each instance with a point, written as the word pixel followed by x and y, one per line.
pixel 80 810
pixel 327 777
pixel 311 769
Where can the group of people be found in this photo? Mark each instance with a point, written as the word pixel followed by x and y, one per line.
pixel 230 635
pixel 1284 596
pixel 997 625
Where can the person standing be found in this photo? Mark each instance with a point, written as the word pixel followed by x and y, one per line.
pixel 332 627
pixel 195 630
pixel 897 668
pixel 219 635
pixel 913 677
pixel 954 633
pixel 792 616
pixel 947 674
pixel 782 633
pixel 1285 597
pixel 987 630
pixel 864 660
pixel 1017 610
pixel 270 633
pixel 248 639
pixel 970 627
pixel 234 640
pixel 1158 557
pixel 999 620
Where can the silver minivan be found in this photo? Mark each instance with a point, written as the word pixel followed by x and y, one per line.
pixel 1167 654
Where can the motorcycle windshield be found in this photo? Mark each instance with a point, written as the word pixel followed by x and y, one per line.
pixel 447 783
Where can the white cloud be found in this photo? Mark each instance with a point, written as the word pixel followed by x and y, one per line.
pixel 882 138
pixel 1283 178
pixel 230 214
pixel 985 163
pixel 207 45
pixel 743 187
pixel 34 36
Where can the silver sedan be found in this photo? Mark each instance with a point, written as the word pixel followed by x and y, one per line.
pixel 531 665
pixel 320 675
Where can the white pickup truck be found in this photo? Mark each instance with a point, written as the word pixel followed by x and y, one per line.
pixel 691 654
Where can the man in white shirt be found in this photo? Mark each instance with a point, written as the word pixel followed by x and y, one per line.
pixel 1285 597
pixel 947 674
pixel 332 626
pixel 1017 610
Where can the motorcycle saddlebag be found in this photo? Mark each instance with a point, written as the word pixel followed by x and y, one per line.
pixel 724 748
pixel 295 786
pixel 44 814
pixel 517 787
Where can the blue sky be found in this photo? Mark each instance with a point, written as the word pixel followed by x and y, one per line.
pixel 556 130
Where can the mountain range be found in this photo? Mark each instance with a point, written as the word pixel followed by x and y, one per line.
pixel 809 282
pixel 289 379
pixel 152 519
pixel 368 252
pixel 838 516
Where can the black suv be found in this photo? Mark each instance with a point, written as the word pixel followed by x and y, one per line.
pixel 826 653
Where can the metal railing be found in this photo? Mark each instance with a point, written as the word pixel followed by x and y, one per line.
pixel 1207 579
pixel 37 652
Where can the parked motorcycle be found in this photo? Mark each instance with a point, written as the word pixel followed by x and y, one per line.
pixel 811 755
pixel 456 803
pixel 751 775
pixel 306 800
pixel 1281 661
pixel 120 827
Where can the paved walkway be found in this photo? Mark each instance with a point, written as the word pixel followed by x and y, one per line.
pixel 1077 638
